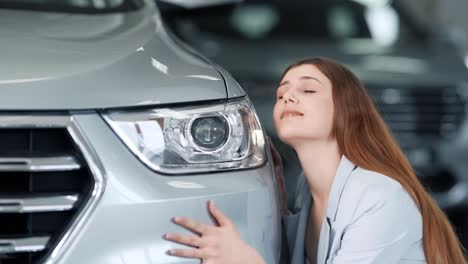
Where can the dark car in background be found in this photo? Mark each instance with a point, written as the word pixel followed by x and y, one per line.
pixel 414 74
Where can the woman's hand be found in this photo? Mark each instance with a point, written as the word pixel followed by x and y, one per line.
pixel 213 244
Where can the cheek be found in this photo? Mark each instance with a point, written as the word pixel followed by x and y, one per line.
pixel 327 112
pixel 328 117
pixel 276 113
pixel 320 116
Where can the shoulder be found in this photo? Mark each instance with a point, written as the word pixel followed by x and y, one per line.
pixel 371 184
pixel 376 219
pixel 369 193
pixel 362 177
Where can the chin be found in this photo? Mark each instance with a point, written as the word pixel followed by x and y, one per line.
pixel 289 136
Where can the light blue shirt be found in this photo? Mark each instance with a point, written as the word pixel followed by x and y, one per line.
pixel 370 218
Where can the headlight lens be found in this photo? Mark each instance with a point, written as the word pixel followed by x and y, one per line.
pixel 209 133
pixel 193 139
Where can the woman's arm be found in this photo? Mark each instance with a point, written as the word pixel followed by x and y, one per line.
pixel 213 244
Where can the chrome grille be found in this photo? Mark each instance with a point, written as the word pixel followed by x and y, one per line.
pixel 45 182
pixel 419 111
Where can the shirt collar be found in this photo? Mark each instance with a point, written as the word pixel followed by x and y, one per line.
pixel 343 172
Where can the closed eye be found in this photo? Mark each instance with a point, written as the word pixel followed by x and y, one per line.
pixel 309 91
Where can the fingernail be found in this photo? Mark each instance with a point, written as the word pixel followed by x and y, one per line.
pixel 175 219
pixel 169 252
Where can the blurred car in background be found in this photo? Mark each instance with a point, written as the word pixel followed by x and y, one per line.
pixel 109 128
pixel 415 74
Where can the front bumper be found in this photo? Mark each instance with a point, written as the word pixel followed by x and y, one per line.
pixel 135 206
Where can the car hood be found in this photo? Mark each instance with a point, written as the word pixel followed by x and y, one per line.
pixel 52 61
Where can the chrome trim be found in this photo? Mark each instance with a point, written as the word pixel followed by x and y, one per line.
pixel 37 121
pixel 64 163
pixel 98 172
pixel 38 204
pixel 30 244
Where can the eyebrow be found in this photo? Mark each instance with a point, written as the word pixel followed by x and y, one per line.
pixel 305 77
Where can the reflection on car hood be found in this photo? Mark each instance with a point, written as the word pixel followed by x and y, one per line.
pixel 68 61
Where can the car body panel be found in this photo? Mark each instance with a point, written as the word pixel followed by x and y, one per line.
pixel 137 206
pixel 55 61
pixel 81 65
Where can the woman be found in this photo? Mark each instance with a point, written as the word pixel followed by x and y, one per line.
pixel 362 202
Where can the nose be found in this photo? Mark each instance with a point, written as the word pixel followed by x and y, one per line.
pixel 289 97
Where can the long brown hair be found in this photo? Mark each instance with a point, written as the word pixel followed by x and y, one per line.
pixel 364 138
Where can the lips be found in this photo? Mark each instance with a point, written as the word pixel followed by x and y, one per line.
pixel 290 113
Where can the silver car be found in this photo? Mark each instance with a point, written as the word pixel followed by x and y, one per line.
pixel 109 127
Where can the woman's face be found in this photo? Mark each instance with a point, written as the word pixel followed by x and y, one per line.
pixel 304 106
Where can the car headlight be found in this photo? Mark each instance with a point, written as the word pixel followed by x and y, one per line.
pixel 194 138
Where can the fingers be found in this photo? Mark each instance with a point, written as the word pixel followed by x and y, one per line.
pixel 222 219
pixel 206 246
pixel 187 253
pixel 203 254
pixel 193 241
pixel 192 225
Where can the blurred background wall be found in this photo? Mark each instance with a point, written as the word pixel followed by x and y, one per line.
pixel 453 13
